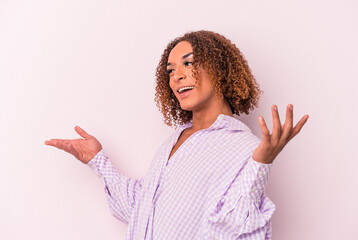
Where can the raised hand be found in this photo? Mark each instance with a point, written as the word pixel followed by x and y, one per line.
pixel 272 144
pixel 83 149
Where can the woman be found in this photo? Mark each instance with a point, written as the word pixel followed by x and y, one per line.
pixel 207 180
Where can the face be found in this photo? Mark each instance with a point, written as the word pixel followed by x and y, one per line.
pixel 191 95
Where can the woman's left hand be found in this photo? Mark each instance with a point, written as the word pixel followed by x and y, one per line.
pixel 272 144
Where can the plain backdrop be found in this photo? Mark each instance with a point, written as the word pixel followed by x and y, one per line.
pixel 92 63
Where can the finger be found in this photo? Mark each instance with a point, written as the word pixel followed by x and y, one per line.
pixel 276 131
pixel 82 132
pixel 73 150
pixel 298 127
pixel 52 142
pixel 264 130
pixel 63 146
pixel 59 143
pixel 287 126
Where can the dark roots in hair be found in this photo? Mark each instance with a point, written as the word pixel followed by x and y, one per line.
pixel 225 65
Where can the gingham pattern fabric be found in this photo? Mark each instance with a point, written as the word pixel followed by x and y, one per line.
pixel 211 188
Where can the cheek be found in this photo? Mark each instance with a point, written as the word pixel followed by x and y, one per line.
pixel 205 87
pixel 170 85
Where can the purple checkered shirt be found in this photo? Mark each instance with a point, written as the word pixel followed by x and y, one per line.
pixel 211 188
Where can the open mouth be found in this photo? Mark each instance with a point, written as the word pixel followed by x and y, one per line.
pixel 185 89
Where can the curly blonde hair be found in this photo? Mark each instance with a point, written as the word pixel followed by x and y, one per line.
pixel 225 65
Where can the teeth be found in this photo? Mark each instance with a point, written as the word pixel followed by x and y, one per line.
pixel 185 88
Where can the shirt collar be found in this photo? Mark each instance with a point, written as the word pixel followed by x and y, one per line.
pixel 222 121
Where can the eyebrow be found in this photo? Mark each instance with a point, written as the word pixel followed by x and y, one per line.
pixel 183 57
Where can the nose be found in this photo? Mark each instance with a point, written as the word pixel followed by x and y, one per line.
pixel 179 74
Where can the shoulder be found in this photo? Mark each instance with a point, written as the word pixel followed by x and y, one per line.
pixel 244 136
pixel 168 141
pixel 239 132
pixel 241 141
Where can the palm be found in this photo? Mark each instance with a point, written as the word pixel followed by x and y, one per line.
pixel 83 149
pixel 272 144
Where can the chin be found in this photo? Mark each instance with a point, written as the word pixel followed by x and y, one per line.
pixel 186 107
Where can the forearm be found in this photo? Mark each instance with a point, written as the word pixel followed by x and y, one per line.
pixel 122 192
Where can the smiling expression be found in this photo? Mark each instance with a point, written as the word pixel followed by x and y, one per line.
pixel 192 94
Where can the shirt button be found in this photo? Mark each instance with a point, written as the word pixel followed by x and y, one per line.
pixel 190 143
pixel 222 117
pixel 253 189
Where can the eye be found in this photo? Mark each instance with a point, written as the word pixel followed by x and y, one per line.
pixel 186 63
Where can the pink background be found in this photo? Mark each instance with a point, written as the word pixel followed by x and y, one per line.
pixel 92 64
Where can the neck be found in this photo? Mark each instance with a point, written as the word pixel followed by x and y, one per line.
pixel 204 118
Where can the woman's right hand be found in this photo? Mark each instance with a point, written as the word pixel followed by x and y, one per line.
pixel 83 149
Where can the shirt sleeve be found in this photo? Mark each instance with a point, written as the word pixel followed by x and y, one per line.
pixel 122 192
pixel 244 211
